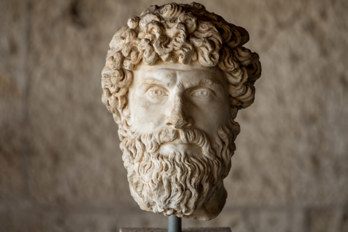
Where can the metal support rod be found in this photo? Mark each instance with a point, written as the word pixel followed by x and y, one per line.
pixel 174 224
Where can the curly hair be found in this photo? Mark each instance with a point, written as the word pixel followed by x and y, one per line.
pixel 179 33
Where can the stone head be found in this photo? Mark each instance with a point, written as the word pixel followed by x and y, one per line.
pixel 174 80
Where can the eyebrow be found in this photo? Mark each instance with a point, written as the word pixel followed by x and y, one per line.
pixel 167 78
pixel 213 84
pixel 160 72
pixel 154 81
pixel 209 82
pixel 164 79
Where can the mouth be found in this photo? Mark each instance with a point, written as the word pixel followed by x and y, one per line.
pixel 179 146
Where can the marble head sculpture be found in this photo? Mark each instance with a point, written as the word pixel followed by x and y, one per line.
pixel 174 79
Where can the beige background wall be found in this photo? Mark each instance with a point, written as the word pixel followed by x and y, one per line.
pixel 60 165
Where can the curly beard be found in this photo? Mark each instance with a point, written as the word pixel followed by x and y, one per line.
pixel 184 181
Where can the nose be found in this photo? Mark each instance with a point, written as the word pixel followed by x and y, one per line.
pixel 177 118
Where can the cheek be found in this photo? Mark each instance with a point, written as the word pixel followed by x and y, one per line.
pixel 211 118
pixel 146 118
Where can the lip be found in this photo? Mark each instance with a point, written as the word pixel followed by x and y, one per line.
pixel 178 146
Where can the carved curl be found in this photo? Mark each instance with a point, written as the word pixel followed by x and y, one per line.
pixel 179 33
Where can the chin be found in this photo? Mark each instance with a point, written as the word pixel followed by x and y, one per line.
pixel 208 207
pixel 179 172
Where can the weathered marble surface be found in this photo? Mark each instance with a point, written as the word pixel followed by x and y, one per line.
pixel 297 123
pixel 174 80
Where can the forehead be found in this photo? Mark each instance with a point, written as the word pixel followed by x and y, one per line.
pixel 169 73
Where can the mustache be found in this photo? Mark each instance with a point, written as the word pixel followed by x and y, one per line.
pixel 193 136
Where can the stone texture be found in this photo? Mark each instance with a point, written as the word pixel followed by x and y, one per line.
pixel 234 219
pixel 290 169
pixel 14 219
pixel 168 98
pixel 326 219
pixel 71 163
pixel 12 90
pixel 63 221
pixel 244 219
pixel 30 219
pixel 290 158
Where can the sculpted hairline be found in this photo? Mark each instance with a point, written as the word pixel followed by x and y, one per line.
pixel 150 39
pixel 157 75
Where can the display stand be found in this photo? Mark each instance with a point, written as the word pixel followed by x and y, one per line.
pixel 174 225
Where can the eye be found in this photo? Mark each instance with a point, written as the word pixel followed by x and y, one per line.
pixel 156 92
pixel 203 93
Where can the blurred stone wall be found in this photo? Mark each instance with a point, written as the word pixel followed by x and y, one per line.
pixel 60 164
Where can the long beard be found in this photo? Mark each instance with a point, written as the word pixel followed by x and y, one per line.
pixel 176 182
